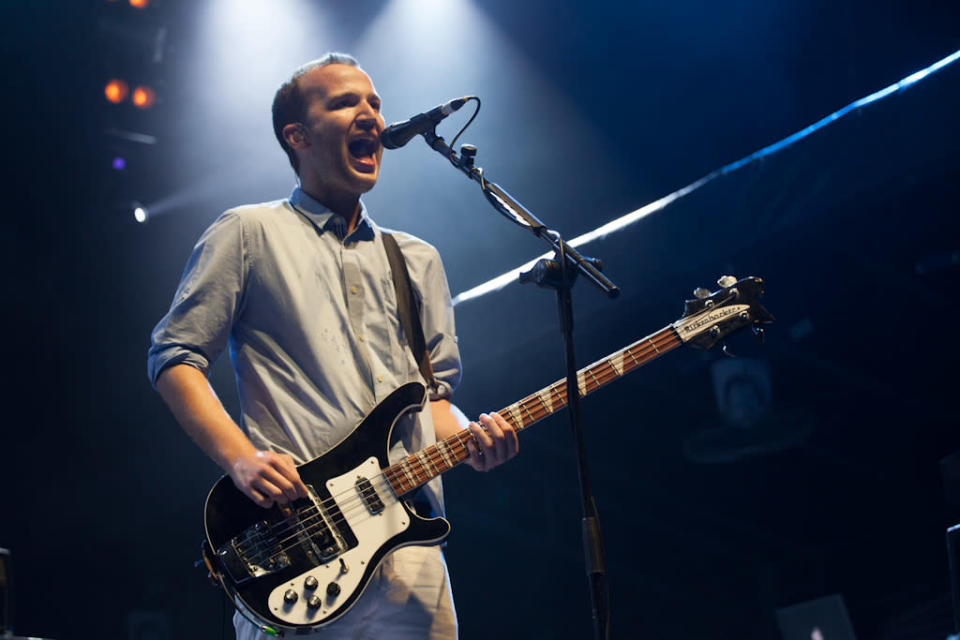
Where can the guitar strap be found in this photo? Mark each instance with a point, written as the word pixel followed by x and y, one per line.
pixel 407 308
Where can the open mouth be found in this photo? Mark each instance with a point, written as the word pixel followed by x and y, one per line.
pixel 363 152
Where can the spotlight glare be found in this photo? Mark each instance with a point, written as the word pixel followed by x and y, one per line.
pixel 143 97
pixel 139 4
pixel 116 91
pixel 119 163
pixel 140 214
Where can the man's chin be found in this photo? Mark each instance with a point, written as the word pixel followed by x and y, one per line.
pixel 365 180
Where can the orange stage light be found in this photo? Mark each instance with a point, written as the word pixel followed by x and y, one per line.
pixel 116 91
pixel 143 97
pixel 139 4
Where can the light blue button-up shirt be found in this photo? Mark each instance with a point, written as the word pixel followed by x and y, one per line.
pixel 310 316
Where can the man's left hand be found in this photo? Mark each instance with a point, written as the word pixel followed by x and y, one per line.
pixel 494 442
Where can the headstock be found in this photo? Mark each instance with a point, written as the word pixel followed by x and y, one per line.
pixel 710 317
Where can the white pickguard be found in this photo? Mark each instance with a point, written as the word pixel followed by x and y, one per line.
pixel 371 532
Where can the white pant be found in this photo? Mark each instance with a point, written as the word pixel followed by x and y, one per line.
pixel 408 598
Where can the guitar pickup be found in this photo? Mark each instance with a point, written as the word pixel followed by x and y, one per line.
pixel 369 495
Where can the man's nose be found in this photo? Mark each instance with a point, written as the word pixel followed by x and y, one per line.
pixel 369 118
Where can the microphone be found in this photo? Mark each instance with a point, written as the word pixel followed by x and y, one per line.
pixel 400 133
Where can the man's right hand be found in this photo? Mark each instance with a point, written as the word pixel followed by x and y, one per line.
pixel 265 477
pixel 268 478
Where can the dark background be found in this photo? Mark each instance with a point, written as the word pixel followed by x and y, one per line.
pixel 590 111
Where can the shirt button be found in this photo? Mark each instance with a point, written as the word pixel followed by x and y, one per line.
pixel 353 290
pixel 360 338
pixel 379 378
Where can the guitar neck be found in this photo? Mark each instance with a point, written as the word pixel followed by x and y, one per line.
pixel 419 468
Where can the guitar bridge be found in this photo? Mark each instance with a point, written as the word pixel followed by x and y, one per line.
pixel 251 554
pixel 303 528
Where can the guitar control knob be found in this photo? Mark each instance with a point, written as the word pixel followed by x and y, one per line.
pixel 290 596
pixel 310 583
pixel 333 589
pixel 314 602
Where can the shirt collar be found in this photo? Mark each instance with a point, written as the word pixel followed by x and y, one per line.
pixel 326 220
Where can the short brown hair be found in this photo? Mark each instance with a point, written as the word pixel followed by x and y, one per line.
pixel 289 104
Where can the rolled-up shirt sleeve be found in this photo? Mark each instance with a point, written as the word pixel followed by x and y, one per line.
pixel 197 326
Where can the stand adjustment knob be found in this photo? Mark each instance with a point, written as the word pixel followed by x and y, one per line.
pixel 333 589
pixel 468 153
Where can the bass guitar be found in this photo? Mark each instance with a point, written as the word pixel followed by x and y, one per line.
pixel 300 566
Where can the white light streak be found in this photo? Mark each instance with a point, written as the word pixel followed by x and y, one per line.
pixel 635 216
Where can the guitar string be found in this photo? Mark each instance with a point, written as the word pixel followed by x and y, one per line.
pixel 435 455
pixel 606 372
pixel 358 500
pixel 666 335
pixel 349 507
pixel 604 368
pixel 558 389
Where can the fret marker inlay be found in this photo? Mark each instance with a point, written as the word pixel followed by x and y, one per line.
pixel 546 400
pixel 617 363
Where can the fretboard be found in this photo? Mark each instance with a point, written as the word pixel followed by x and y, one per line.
pixel 419 468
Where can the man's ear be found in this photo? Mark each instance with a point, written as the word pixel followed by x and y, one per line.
pixel 293 133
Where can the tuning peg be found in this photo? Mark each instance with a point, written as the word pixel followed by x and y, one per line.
pixel 701 293
pixel 727 281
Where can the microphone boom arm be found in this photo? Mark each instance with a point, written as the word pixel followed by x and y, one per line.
pixel 511 208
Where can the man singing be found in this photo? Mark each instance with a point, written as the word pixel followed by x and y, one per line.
pixel 301 291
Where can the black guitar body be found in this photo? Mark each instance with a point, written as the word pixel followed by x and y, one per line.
pixel 302 567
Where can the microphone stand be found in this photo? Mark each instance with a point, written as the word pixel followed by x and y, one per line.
pixel 558 274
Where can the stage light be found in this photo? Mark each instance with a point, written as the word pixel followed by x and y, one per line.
pixel 116 91
pixel 139 4
pixel 119 163
pixel 143 97
pixel 140 213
